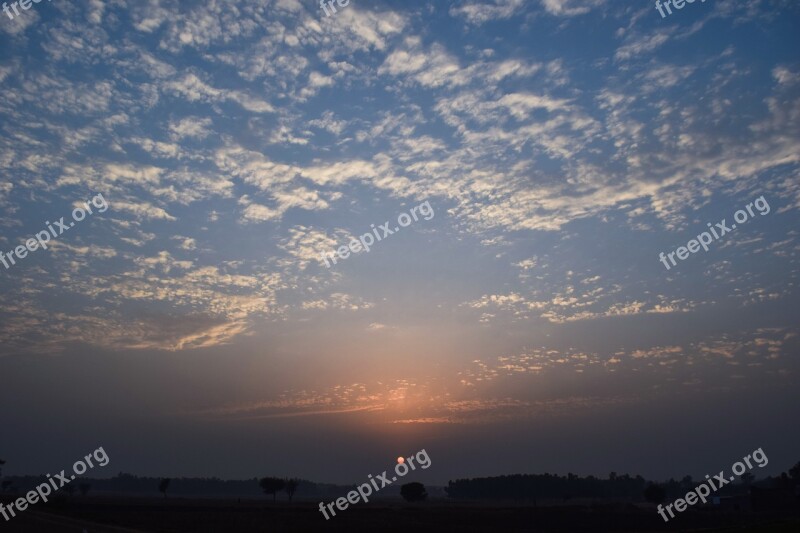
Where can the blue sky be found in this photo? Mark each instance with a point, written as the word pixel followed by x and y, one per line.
pixel 562 146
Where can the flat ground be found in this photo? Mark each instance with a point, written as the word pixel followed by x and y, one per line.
pixel 106 515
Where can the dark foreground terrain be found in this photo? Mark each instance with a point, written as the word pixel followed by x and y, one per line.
pixel 101 515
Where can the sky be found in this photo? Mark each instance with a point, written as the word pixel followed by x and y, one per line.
pixel 520 322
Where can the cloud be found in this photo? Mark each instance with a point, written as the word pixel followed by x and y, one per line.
pixel 571 8
pixel 143 210
pixel 636 46
pixel 191 128
pixel 191 87
pixel 482 12
pixel 338 301
pixel 307 245
pixel 432 68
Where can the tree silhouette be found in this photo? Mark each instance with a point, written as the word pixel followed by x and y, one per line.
pixel 6 484
pixel 747 479
pixel 84 488
pixel 794 472
pixel 290 487
pixel 413 492
pixel 271 485
pixel 69 489
pixel 654 493
pixel 163 486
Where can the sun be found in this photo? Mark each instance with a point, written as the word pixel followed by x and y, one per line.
pixel 400 460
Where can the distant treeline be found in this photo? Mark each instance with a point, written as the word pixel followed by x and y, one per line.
pixel 124 483
pixel 529 487
pixel 519 487
pixel 546 486
pixel 194 487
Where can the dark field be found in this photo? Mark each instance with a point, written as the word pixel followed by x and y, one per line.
pixel 98 515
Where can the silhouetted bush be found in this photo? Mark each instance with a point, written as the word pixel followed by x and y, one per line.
pixel 290 487
pixel 654 493
pixel 163 486
pixel 413 492
pixel 271 485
